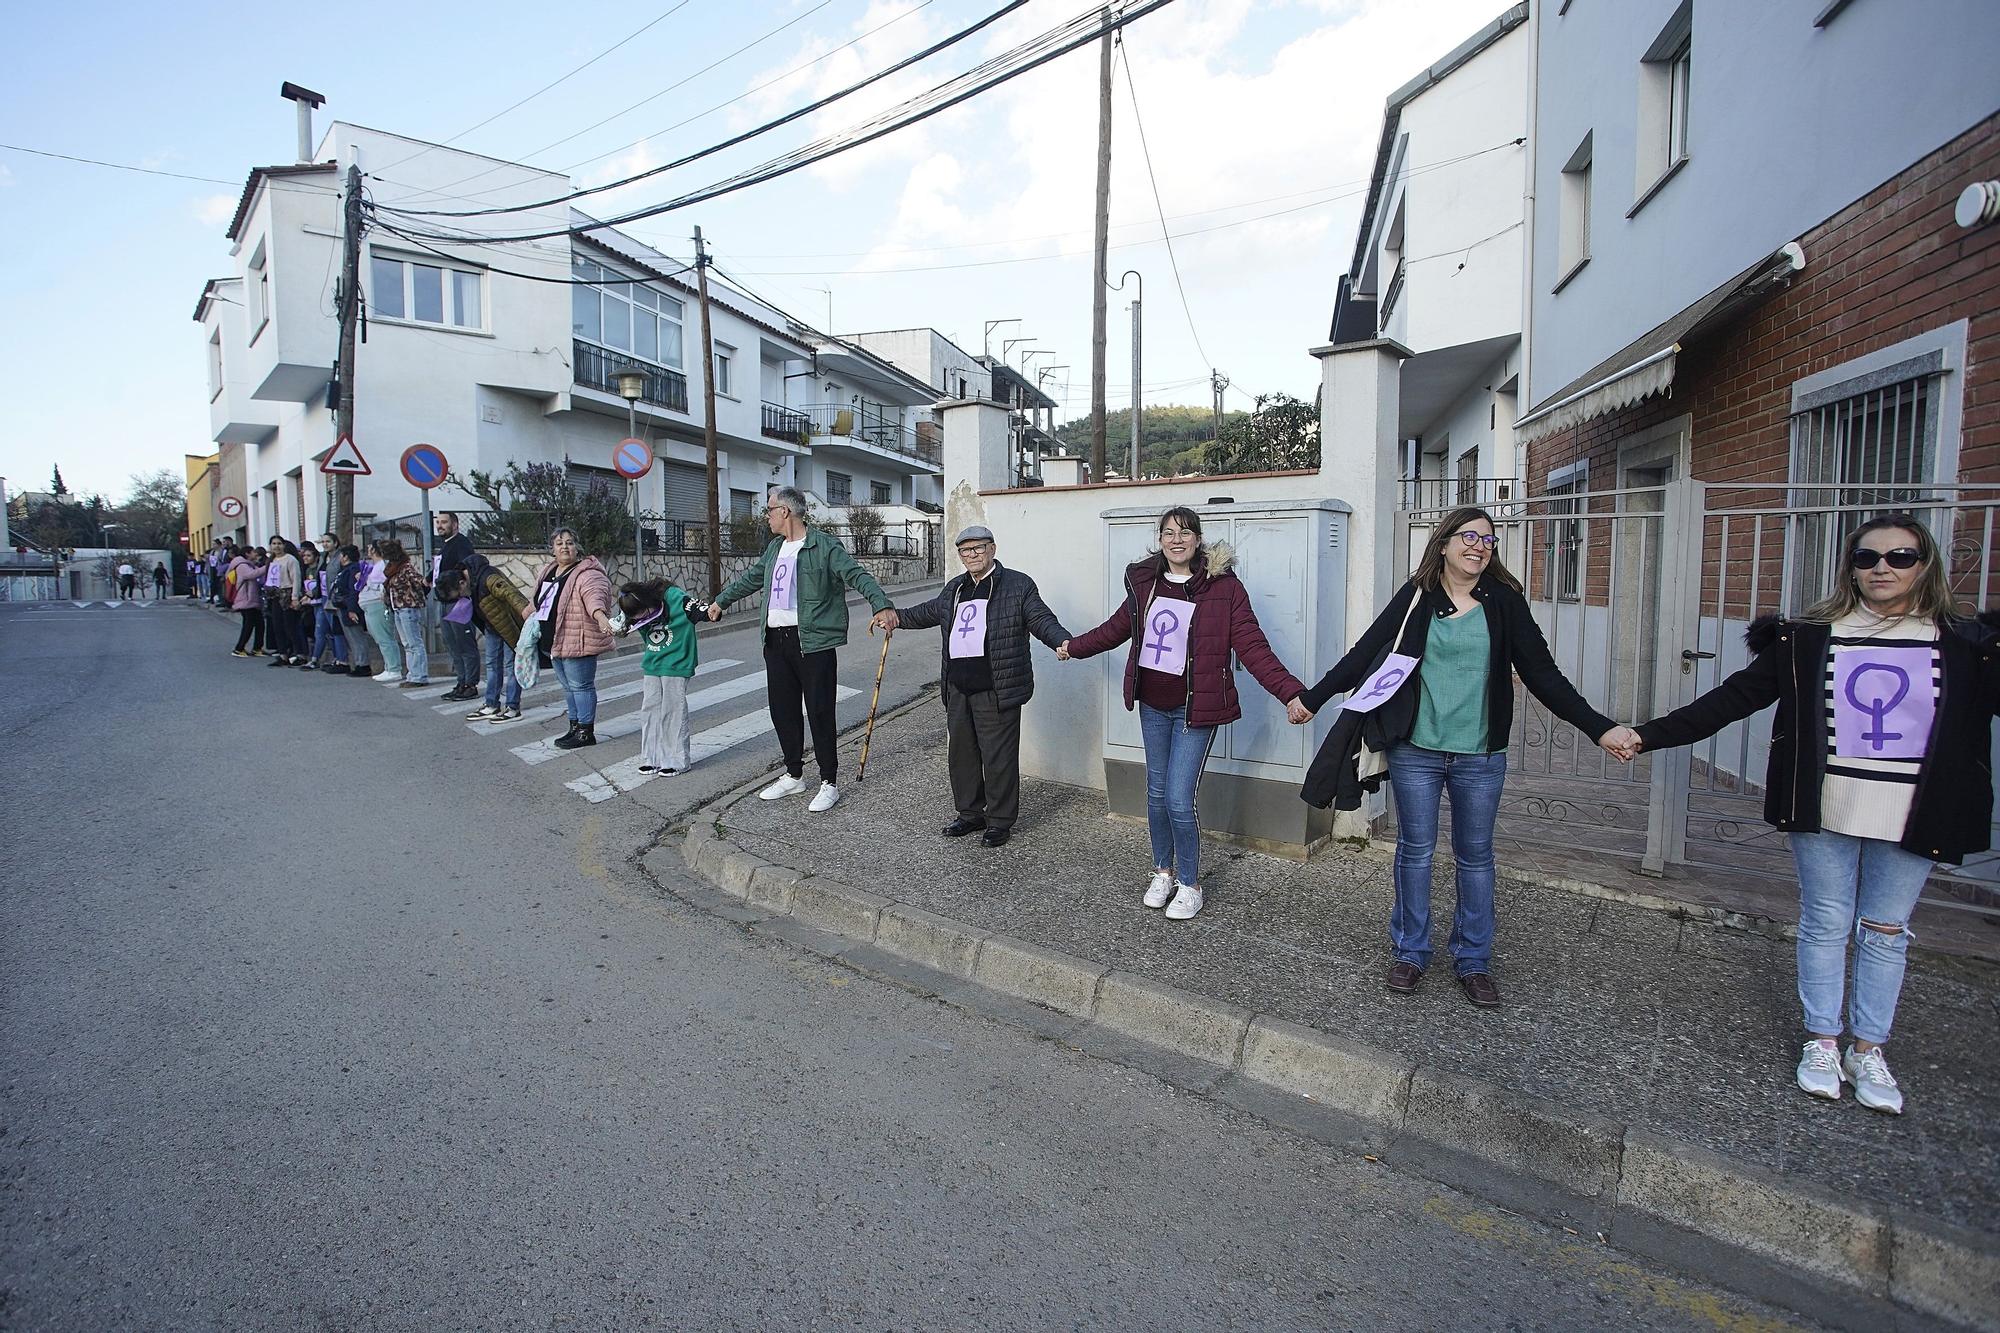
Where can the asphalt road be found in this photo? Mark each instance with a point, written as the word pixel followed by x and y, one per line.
pixel 318 1010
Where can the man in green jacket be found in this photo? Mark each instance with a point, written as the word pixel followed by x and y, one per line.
pixel 804 576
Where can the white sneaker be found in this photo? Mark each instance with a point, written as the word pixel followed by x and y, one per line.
pixel 1187 901
pixel 388 678
pixel 783 787
pixel 1159 889
pixel 1819 1069
pixel 482 713
pixel 829 797
pixel 1874 1086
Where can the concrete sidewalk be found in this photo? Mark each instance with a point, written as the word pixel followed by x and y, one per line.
pixel 1642 1059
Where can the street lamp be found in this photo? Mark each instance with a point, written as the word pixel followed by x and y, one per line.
pixel 104 535
pixel 632 387
pixel 987 338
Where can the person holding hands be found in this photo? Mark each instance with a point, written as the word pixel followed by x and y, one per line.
pixel 1432 688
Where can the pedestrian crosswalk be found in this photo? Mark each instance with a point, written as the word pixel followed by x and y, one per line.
pixel 619 688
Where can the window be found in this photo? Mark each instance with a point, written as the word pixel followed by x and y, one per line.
pixel 1662 129
pixel 878 492
pixel 259 288
pixel 742 504
pixel 1392 259
pixel 1573 221
pixel 839 488
pixel 628 317
pixel 1877 432
pixel 1562 534
pixel 725 356
pixel 424 293
pixel 214 364
pixel 584 480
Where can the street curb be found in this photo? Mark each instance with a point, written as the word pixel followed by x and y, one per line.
pixel 1642 1184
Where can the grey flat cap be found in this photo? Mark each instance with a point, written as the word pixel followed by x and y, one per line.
pixel 975 533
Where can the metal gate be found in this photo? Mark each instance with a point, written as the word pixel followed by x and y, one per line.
pixel 1644 595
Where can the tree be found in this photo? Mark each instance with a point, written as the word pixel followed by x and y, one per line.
pixel 1282 434
pixel 57 486
pixel 155 510
pixel 1171 438
pixel 528 503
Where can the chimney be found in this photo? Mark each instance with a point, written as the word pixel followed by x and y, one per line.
pixel 307 99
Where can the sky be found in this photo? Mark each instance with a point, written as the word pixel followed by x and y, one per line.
pixel 1260 119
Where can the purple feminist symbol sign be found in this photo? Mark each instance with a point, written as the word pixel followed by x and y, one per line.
pixel 784 584
pixel 1382 685
pixel 1882 702
pixel 968 630
pixel 1165 644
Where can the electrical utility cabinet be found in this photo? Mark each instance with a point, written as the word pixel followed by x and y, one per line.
pixel 1292 558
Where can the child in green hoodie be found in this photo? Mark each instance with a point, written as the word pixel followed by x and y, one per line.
pixel 662 614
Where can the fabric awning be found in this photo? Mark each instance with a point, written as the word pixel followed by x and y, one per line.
pixel 1622 388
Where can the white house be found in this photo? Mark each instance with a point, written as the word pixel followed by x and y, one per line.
pixel 509 353
pixel 1421 374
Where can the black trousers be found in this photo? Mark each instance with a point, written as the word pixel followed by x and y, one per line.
pixel 253 624
pixel 983 752
pixel 792 678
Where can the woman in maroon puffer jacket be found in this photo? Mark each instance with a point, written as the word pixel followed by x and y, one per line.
pixel 1193 615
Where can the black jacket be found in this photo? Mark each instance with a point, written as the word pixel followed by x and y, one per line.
pixel 1517 645
pixel 1952 812
pixel 454 555
pixel 1014 610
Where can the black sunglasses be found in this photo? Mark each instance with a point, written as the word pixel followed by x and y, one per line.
pixel 1903 557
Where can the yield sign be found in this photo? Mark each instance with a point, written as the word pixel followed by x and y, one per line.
pixel 345 460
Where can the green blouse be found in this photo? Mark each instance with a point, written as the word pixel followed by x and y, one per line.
pixel 1451 684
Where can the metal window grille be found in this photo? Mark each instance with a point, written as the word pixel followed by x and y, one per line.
pixel 839 487
pixel 1468 477
pixel 1562 544
pixel 1876 448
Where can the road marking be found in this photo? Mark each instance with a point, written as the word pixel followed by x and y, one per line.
pixel 625 775
pixel 628 724
pixel 549 712
pixel 605 671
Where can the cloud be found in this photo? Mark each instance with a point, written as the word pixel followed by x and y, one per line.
pixel 6 176
pixel 215 209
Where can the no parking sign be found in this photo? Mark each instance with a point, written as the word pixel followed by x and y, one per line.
pixel 632 458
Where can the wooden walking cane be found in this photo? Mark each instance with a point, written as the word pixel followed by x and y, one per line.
pixel 861 772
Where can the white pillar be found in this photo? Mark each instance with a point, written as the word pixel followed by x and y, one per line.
pixel 1359 439
pixel 975 459
pixel 1359 433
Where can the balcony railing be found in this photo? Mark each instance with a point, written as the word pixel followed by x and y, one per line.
pixel 1422 493
pixel 782 423
pixel 597 368
pixel 882 432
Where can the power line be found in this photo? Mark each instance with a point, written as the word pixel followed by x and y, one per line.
pixel 795 19
pixel 116 166
pixel 1146 152
pixel 670 11
pixel 623 280
pixel 748 134
pixel 983 78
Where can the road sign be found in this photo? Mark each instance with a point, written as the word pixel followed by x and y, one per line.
pixel 424 466
pixel 345 460
pixel 229 507
pixel 632 458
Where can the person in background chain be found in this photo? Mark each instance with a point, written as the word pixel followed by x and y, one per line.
pixel 1879 769
pixel 573 602
pixel 453 554
pixel 405 591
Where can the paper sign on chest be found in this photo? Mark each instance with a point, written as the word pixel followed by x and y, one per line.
pixel 545 607
pixel 968 630
pixel 1883 701
pixel 1381 685
pixel 1163 645
pixel 785 584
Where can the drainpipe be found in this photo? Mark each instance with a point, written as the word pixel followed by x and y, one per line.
pixel 1524 399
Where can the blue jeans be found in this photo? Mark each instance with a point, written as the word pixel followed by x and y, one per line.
pixel 327 631
pixel 499 669
pixel 410 630
pixel 1175 754
pixel 1843 882
pixel 579 683
pixel 1472 781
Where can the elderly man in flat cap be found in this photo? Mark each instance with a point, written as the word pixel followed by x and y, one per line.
pixel 985 616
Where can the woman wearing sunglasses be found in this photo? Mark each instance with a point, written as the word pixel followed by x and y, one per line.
pixel 1432 685
pixel 1879 768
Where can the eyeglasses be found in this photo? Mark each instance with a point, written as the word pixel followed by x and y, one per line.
pixel 1903 557
pixel 1486 539
pixel 975 548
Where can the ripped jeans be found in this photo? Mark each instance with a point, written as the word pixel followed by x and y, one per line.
pixel 1845 882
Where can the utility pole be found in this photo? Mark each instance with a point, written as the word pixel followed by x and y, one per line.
pixel 708 421
pixel 341 521
pixel 1099 270
pixel 1138 299
pixel 1218 381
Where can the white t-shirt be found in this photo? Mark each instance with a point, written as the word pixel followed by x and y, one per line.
pixel 772 615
